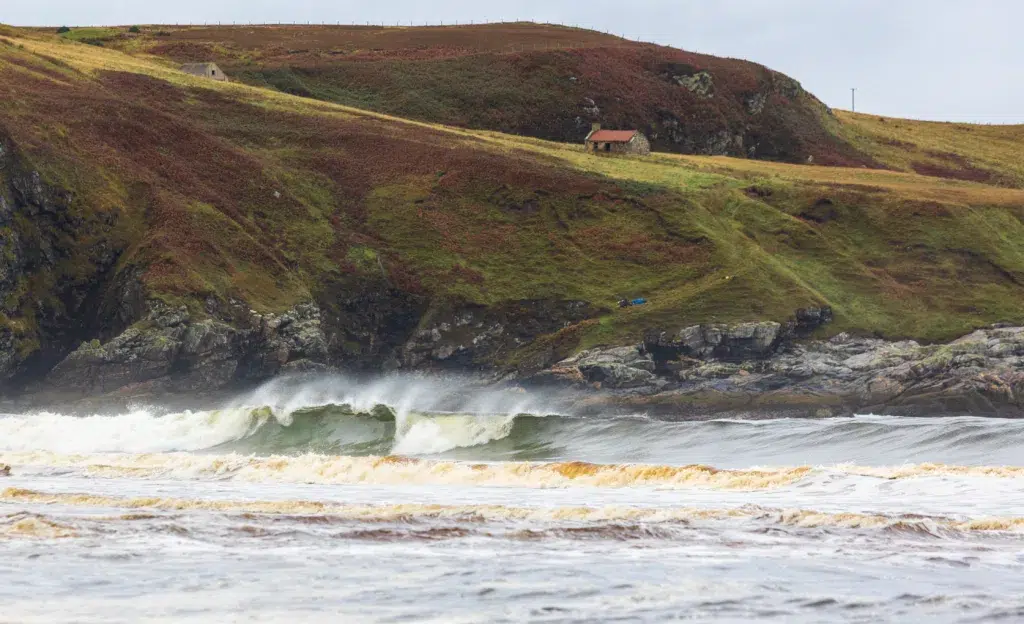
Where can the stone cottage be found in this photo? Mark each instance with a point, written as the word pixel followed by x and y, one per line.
pixel 617 141
pixel 205 70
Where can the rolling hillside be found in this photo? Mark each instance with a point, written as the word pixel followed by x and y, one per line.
pixel 124 182
pixel 537 80
pixel 553 82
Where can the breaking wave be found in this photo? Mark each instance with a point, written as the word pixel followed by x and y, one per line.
pixel 389 416
pixel 328 429
pixel 421 417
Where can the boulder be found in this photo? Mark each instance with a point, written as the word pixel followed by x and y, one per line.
pixel 612 367
pixel 736 343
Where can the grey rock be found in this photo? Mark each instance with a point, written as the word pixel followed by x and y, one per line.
pixel 701 84
pixel 737 342
pixel 756 102
pixel 304 366
pixel 473 336
pixel 698 369
pixel 613 375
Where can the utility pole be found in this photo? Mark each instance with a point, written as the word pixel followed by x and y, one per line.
pixel 853 100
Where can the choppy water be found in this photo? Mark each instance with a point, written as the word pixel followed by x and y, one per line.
pixel 415 500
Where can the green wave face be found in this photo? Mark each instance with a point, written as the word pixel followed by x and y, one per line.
pixel 452 419
pixel 341 430
pixel 327 430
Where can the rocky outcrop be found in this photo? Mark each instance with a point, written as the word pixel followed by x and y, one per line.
pixel 730 343
pixel 980 374
pixel 170 351
pixel 735 343
pixel 368 321
pixel 675 131
pixel 470 336
pixel 617 368
pixel 700 84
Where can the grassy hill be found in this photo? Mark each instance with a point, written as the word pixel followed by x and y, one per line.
pixel 979 153
pixel 131 180
pixel 552 82
pixel 537 80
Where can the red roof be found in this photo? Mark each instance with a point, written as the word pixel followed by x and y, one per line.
pixel 613 136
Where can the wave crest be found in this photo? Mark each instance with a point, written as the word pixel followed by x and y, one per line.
pixel 335 429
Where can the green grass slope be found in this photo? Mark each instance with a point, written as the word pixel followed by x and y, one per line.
pixel 979 153
pixel 205 191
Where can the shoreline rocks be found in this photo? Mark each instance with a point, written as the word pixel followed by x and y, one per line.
pixel 762 369
pixel 170 351
pixel 981 374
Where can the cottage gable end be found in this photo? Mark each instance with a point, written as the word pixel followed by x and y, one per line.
pixel 204 70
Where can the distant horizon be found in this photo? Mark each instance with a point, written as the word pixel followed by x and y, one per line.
pixel 896 54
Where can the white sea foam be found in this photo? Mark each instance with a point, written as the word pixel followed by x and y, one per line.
pixel 802 518
pixel 431 415
pixel 419 434
pixel 138 431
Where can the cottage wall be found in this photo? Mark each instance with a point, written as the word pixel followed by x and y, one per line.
pixel 640 144
pixel 204 70
pixel 637 145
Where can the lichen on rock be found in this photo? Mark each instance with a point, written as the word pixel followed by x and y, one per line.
pixel 701 84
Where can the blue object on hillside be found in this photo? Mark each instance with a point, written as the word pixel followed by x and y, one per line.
pixel 639 301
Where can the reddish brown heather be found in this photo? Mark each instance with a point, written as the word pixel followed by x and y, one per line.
pixel 531 79
pixel 190 155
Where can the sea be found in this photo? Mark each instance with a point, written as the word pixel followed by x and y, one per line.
pixel 422 499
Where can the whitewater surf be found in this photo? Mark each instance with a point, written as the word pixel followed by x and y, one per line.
pixel 506 507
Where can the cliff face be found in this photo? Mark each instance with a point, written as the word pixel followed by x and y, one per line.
pixel 58 263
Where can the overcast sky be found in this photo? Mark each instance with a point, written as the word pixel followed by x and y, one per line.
pixel 929 59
